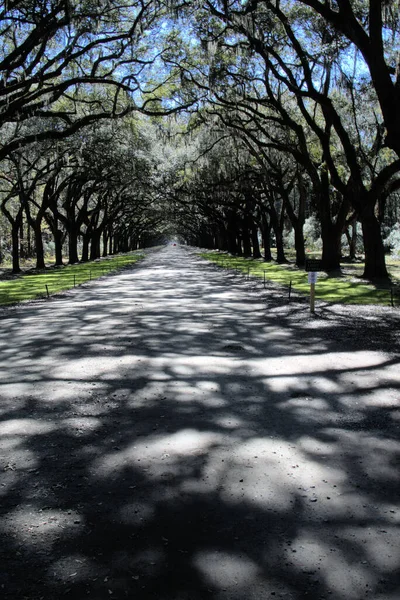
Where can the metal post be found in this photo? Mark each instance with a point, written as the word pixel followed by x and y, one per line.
pixel 264 279
pixel 47 290
pixel 290 289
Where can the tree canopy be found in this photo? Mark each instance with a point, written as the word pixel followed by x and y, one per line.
pixel 230 124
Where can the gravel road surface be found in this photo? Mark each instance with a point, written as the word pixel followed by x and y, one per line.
pixel 174 432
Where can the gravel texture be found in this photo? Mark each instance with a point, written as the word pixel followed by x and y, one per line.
pixel 175 432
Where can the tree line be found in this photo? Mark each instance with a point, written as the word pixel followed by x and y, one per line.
pixel 307 90
pixel 283 111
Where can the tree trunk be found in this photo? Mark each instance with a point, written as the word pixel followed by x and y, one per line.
pixel 222 238
pixel 278 231
pixel 29 240
pixel 352 239
pixel 299 244
pixel 280 250
pixel 22 252
pixel 85 247
pixel 58 235
pixel 255 242
pixel 37 231
pixel 15 247
pixel 331 247
pixel 73 257
pixel 246 238
pixel 105 241
pixel 53 222
pixel 266 235
pixel 116 243
pixel 95 245
pixel 239 248
pixel 375 266
pixel 232 240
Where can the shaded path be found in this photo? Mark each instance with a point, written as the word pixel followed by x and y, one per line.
pixel 164 434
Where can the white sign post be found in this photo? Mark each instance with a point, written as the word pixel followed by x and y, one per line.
pixel 312 280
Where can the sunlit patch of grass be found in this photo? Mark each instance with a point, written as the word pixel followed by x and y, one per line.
pixel 57 279
pixel 332 289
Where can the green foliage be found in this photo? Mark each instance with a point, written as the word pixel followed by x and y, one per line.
pixel 330 289
pixel 393 241
pixel 312 233
pixel 29 287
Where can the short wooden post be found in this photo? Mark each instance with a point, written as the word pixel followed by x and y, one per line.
pixel 47 290
pixel 312 298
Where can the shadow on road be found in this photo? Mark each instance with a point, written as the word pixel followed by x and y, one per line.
pixel 165 434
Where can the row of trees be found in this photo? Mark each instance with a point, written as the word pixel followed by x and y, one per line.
pixel 95 188
pixel 284 110
pixel 75 160
pixel 308 90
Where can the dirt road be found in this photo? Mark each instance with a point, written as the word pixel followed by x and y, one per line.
pixel 168 433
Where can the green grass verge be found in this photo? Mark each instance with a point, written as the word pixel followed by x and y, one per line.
pixel 31 286
pixel 342 289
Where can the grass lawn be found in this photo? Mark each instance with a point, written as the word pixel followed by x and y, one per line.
pixel 343 289
pixel 28 286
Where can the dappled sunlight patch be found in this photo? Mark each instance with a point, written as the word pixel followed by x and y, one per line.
pixel 199 364
pixel 181 443
pixel 229 422
pixel 389 375
pixel 271 492
pixel 325 385
pixel 182 370
pixel 209 385
pixel 379 543
pixel 320 363
pixel 316 447
pixel 347 580
pixel 377 456
pixel 159 376
pixel 215 402
pixel 265 470
pixel 371 395
pixel 35 527
pixel 26 427
pixel 16 388
pixel 342 571
pixel 183 391
pixel 309 409
pixel 12 442
pixel 81 426
pixel 103 368
pixel 16 459
pixel 9 478
pixel 90 408
pixel 257 474
pixel 227 571
pixel 148 454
